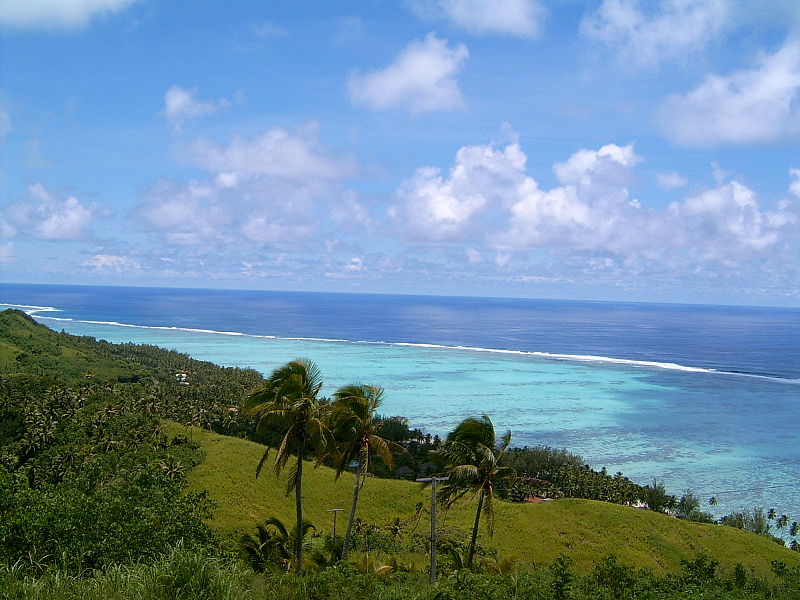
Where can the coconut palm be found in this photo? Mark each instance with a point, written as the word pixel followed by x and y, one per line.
pixel 471 455
pixel 356 429
pixel 289 398
pixel 272 544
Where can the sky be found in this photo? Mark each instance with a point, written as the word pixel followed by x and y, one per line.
pixel 604 150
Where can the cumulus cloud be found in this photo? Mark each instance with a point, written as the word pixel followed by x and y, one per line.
pixel 588 211
pixel 57 14
pixel 274 188
pixel 47 217
pixel 181 105
pixel 675 30
pixel 522 18
pixel 121 265
pixel 487 202
pixel 421 78
pixel 433 207
pixel 276 153
pixel 726 222
pixel 747 106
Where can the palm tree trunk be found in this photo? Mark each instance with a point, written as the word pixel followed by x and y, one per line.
pixel 352 518
pixel 474 539
pixel 298 504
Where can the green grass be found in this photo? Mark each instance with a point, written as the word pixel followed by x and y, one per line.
pixel 584 530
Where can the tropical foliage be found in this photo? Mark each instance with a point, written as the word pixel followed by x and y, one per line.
pixel 289 398
pixel 356 430
pixel 95 502
pixel 471 456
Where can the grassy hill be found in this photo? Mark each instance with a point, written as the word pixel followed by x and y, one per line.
pixel 584 530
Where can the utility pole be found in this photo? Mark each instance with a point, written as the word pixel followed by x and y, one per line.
pixel 432 481
pixel 335 512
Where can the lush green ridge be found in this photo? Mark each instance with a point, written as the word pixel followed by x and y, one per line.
pixel 585 530
pixel 88 423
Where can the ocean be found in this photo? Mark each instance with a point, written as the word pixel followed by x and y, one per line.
pixel 705 398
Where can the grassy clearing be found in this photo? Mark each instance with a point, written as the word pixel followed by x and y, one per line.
pixel 584 530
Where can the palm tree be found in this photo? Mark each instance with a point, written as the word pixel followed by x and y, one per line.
pixel 356 429
pixel 272 544
pixel 772 513
pixel 289 398
pixel 472 457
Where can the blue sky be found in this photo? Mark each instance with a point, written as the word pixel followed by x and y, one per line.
pixel 608 150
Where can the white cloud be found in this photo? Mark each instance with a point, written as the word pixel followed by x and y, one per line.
pixel 273 189
pixel 587 211
pixel 48 218
pixel 748 106
pixel 671 180
pixel 57 14
pixel 355 265
pixel 275 153
pixel 676 30
pixel 350 215
pixel 487 201
pixel 794 186
pixel 435 208
pixel 422 78
pixel 726 223
pixel 523 18
pixel 121 265
pixel 181 105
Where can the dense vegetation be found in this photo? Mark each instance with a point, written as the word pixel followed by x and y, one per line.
pixel 112 484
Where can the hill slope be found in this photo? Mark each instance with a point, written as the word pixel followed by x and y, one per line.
pixel 29 347
pixel 587 531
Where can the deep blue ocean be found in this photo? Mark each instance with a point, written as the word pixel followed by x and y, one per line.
pixel 702 397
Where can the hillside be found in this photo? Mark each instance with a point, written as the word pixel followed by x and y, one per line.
pixel 31 348
pixel 75 412
pixel 584 530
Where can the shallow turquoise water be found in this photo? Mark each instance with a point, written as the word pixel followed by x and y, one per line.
pixel 720 435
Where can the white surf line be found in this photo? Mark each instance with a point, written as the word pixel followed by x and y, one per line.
pixel 669 366
pixel 29 309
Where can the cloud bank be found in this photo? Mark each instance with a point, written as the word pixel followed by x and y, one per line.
pixel 488 201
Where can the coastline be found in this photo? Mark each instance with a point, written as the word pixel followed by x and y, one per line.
pixel 729 436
